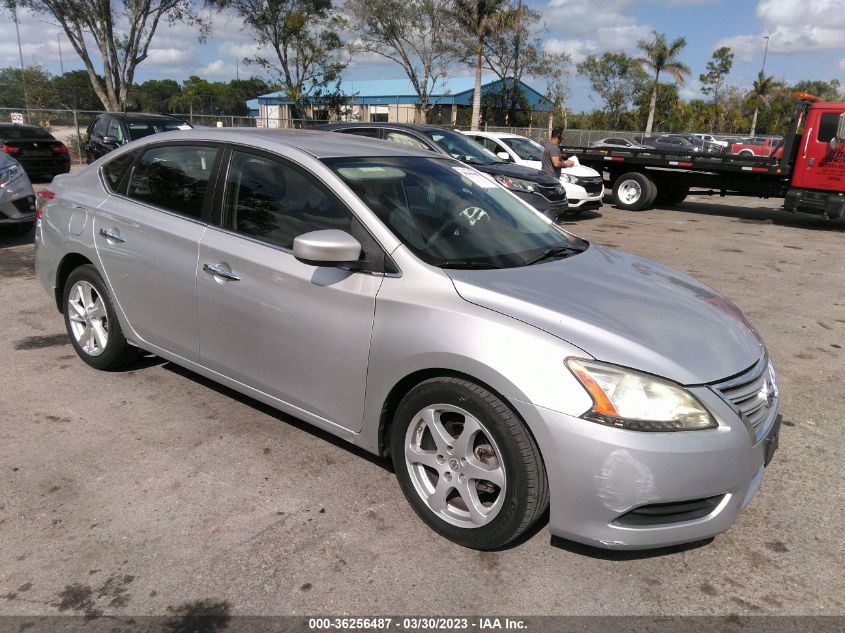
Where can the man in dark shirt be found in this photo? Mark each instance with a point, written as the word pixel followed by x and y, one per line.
pixel 553 161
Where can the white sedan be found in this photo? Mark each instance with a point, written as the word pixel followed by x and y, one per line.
pixel 584 186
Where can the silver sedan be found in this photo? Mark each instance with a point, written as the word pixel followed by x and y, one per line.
pixel 17 199
pixel 412 306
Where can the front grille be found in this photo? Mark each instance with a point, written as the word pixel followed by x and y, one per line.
pixel 551 193
pixel 751 394
pixel 592 185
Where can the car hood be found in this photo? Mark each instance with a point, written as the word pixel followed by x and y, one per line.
pixel 518 171
pixel 582 171
pixel 623 309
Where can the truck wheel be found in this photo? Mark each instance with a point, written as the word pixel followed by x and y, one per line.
pixel 634 191
pixel 672 195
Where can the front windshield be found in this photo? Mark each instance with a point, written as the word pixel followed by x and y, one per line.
pixel 525 148
pixel 450 215
pixel 462 147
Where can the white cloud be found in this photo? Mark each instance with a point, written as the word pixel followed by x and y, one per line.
pixel 169 56
pixel 217 69
pixel 842 63
pixel 793 26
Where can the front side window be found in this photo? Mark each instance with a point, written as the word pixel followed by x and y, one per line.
pixel 101 127
pixel 450 215
pixel 827 126
pixel 116 130
pixel 461 147
pixel 173 177
pixel 400 138
pixel 275 202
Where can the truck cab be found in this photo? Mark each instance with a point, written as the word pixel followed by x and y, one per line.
pixel 818 172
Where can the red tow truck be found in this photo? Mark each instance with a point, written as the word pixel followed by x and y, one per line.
pixel 807 170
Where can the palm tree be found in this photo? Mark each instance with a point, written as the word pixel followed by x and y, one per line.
pixel 759 95
pixel 659 57
pixel 480 19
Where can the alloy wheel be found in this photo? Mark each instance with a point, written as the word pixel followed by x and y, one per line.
pixel 89 322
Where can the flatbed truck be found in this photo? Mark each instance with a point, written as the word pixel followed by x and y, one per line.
pixel 809 172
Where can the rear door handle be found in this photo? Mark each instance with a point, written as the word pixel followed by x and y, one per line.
pixel 112 235
pixel 219 271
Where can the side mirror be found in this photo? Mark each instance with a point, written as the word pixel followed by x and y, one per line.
pixel 110 140
pixel 504 156
pixel 329 247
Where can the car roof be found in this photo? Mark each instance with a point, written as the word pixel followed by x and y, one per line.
pixel 138 116
pixel 318 143
pixel 493 134
pixel 412 127
pixel 16 126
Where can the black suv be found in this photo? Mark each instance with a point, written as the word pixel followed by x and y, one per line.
pixel 113 129
pixel 544 193
pixel 41 154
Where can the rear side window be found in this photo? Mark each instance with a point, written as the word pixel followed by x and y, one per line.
pixel 101 126
pixel 116 130
pixel 115 170
pixel 173 177
pixel 274 201
pixel 400 138
pixel 827 126
pixel 369 132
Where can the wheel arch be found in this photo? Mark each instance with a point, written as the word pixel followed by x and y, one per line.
pixel 408 382
pixel 67 265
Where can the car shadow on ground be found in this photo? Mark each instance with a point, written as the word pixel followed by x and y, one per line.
pixel 578 218
pixel 760 215
pixel 9 239
pixel 275 413
pixel 625 555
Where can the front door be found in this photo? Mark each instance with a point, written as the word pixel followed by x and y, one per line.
pixel 296 332
pixel 147 239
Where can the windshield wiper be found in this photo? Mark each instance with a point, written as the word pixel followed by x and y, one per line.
pixel 460 263
pixel 555 251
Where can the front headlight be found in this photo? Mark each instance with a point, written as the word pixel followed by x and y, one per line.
pixel 515 183
pixel 8 174
pixel 570 179
pixel 629 399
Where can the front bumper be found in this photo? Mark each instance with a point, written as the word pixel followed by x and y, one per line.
pixel 552 209
pixel 598 475
pixel 17 202
pixel 582 200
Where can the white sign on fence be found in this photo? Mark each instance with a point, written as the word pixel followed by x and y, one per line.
pixel 17 118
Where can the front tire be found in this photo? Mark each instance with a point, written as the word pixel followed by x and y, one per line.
pixel 467 464
pixel 91 322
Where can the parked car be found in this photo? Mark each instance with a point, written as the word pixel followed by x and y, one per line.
pixel 17 199
pixel 668 143
pixel 41 154
pixel 765 146
pixel 112 129
pixel 544 193
pixel 709 138
pixel 404 302
pixel 617 143
pixel 703 146
pixel 584 186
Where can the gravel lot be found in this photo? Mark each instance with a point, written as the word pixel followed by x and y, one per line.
pixel 150 490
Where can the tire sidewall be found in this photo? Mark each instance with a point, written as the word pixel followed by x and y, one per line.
pixel 505 525
pixel 114 347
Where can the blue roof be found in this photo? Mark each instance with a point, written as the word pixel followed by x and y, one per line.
pixel 457 90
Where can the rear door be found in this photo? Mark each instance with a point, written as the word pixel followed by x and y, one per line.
pixel 296 332
pixel 147 236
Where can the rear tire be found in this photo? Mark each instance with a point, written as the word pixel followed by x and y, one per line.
pixel 467 464
pixel 670 196
pixel 634 191
pixel 91 323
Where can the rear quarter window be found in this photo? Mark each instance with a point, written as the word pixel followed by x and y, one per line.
pixel 115 171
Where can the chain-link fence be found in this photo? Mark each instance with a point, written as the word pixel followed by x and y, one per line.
pixel 70 127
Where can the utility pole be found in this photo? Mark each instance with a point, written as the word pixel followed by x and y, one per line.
pixel 14 6
pixel 237 71
pixel 61 61
pixel 765 54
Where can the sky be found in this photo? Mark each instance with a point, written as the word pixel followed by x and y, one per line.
pixel 806 41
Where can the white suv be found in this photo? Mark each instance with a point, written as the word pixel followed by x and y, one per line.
pixel 584 186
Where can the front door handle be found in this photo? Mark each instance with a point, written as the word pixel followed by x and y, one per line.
pixel 219 271
pixel 113 235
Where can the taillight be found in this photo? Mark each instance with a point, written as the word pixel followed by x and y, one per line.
pixel 10 150
pixel 41 200
pixel 61 149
